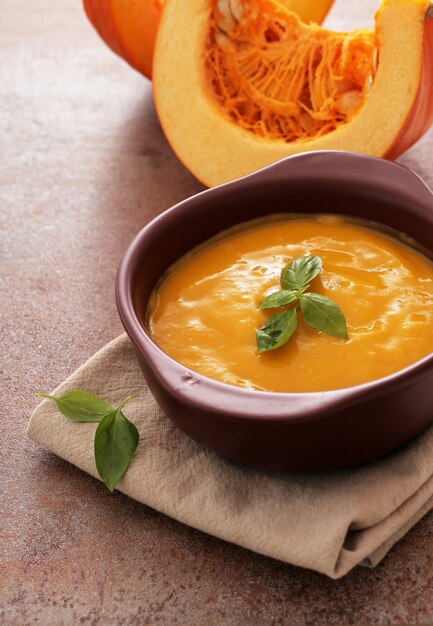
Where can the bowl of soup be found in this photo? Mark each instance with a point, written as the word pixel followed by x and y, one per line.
pixel 189 291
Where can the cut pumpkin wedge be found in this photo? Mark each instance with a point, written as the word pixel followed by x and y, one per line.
pixel 129 27
pixel 240 84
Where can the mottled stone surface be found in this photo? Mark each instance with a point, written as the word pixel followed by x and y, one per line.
pixel 83 166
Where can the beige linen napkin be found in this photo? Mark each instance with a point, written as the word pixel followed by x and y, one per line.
pixel 328 521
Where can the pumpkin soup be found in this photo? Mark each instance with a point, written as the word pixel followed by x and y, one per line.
pixel 205 310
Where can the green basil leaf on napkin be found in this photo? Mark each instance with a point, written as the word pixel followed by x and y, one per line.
pixel 116 441
pixel 276 331
pixel 116 438
pixel 300 272
pixel 324 315
pixel 279 298
pixel 80 406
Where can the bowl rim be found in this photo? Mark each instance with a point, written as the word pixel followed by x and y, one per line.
pixel 238 403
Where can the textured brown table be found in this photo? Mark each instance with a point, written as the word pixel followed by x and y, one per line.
pixel 83 166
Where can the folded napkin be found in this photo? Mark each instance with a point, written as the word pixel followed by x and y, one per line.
pixel 327 521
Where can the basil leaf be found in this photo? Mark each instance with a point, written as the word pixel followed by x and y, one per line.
pixel 323 314
pixel 116 440
pixel 300 272
pixel 276 331
pixel 279 298
pixel 80 406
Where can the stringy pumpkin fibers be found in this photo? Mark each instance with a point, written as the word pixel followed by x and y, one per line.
pixel 281 79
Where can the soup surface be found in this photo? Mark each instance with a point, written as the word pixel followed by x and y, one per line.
pixel 204 312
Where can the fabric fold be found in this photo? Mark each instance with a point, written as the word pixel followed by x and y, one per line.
pixel 329 522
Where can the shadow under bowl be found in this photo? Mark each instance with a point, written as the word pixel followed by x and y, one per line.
pixel 284 431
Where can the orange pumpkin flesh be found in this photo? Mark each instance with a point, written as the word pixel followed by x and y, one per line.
pixel 299 82
pixel 238 90
pixel 129 27
pixel 309 11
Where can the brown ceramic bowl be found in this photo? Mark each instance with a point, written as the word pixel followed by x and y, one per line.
pixel 271 430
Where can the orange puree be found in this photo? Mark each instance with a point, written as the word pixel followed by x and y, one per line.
pixel 204 311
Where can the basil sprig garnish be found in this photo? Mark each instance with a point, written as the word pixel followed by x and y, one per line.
pixel 318 311
pixel 277 330
pixel 323 314
pixel 116 438
pixel 300 272
pixel 279 298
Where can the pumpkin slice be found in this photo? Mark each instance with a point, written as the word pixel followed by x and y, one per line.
pixel 129 27
pixel 240 84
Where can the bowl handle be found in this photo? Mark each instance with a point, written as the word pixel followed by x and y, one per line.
pixel 351 169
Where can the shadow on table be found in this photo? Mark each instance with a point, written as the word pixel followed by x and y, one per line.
pixel 142 176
